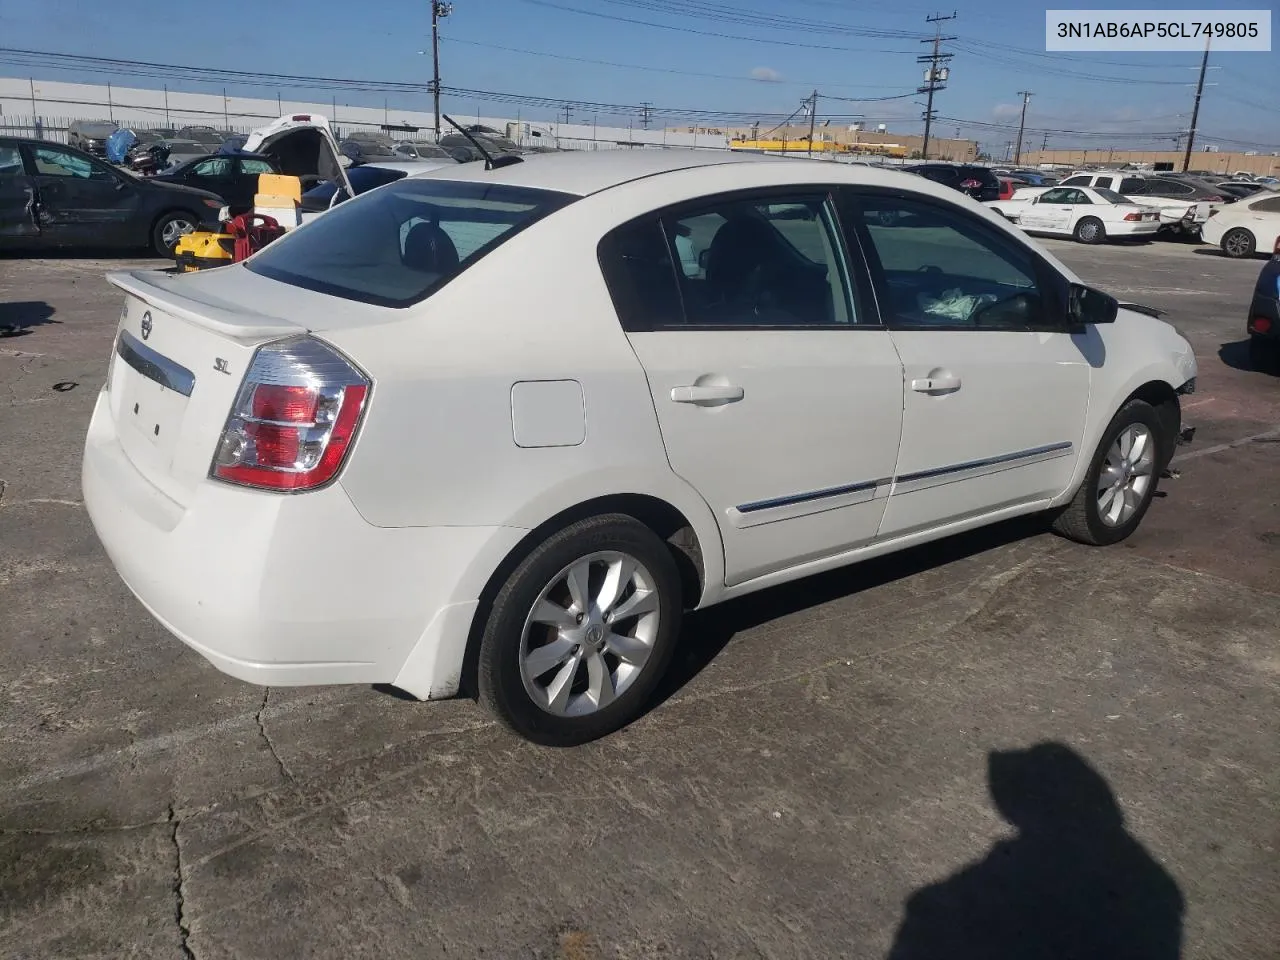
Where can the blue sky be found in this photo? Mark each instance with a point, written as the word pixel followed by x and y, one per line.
pixel 714 61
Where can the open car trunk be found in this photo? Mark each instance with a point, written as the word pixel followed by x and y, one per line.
pixel 302 145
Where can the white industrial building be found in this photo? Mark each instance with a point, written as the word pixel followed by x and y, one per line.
pixel 49 106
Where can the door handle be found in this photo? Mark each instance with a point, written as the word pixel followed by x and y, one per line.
pixel 935 384
pixel 707 396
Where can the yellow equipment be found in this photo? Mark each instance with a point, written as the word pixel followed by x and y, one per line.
pixel 202 249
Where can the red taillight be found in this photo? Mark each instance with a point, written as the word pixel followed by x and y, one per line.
pixel 970 184
pixel 1276 251
pixel 302 117
pixel 1260 325
pixel 277 402
pixel 294 418
pixel 1133 216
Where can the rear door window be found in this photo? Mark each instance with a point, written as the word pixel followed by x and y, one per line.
pixel 396 246
pixel 1132 185
pixel 1103 182
pixel 1270 205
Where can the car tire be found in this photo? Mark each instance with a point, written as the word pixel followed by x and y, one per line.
pixel 582 689
pixel 1090 230
pixel 165 228
pixel 1238 243
pixel 1094 516
pixel 1264 354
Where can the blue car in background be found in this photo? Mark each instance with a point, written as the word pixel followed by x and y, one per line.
pixel 1264 318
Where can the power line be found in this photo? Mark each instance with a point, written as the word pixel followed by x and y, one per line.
pixel 771 41
pixel 668 70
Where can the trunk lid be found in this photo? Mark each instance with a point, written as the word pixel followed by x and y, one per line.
pixel 301 145
pixel 179 358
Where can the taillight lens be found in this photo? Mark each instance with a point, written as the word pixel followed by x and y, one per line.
pixel 1260 325
pixel 294 418
pixel 1133 216
pixel 1276 251
pixel 970 184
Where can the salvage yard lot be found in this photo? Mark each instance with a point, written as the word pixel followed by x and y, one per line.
pixel 820 756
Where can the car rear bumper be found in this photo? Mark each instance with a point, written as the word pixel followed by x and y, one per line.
pixel 291 590
pixel 1133 228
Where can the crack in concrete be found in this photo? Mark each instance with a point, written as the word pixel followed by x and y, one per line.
pixel 179 897
pixel 266 737
pixel 89 829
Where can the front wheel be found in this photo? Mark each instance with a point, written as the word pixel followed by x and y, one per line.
pixel 171 228
pixel 1121 480
pixel 581 632
pixel 1090 230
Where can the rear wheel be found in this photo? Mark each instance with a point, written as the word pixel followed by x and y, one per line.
pixel 1090 230
pixel 1238 243
pixel 581 632
pixel 169 229
pixel 1122 478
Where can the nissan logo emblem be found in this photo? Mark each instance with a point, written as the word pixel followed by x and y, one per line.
pixel 146 325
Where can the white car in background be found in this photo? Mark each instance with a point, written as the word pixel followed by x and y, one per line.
pixel 1184 204
pixel 1247 226
pixel 1087 214
pixel 483 431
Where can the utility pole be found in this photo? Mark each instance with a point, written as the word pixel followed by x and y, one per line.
pixel 439 10
pixel 646 114
pixel 935 75
pixel 1195 110
pixel 1045 144
pixel 1022 123
pixel 568 112
pixel 813 115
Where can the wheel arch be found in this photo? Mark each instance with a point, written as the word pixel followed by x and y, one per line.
pixel 693 557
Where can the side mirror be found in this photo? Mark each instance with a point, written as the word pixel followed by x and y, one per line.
pixel 1088 306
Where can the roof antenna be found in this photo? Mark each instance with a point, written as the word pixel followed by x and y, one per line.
pixel 490 162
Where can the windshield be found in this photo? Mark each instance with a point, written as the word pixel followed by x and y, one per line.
pixel 396 246
pixel 1109 195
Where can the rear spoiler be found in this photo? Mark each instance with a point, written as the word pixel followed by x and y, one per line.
pixel 160 290
pixel 1140 308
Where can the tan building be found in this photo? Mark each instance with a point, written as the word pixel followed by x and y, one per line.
pixel 904 144
pixel 1224 163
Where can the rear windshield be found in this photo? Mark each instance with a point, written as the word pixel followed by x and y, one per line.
pixel 397 245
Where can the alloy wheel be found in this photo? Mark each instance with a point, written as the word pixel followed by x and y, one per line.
pixel 1127 472
pixel 590 633
pixel 174 230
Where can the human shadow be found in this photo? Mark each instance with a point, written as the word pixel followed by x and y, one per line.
pixel 19 316
pixel 1071 885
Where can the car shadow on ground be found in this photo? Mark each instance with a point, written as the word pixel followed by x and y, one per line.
pixel 19 316
pixel 1071 883
pixel 1236 355
pixel 706 633
pixel 82 253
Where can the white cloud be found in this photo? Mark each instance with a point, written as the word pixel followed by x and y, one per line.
pixel 767 74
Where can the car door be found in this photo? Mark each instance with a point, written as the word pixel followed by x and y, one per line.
pixel 996 387
pixel 82 201
pixel 18 199
pixel 1052 211
pixel 246 183
pixel 215 174
pixel 778 399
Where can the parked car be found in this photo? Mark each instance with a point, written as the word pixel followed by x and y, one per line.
pixel 465 151
pixel 183 151
pixel 1086 214
pixel 529 438
pixel 232 176
pixel 1264 317
pixel 978 182
pixel 211 138
pixel 302 145
pixel 417 150
pixel 1184 205
pixel 363 146
pixel 91 135
pixel 362 178
pixel 1246 227
pixel 56 196
pixel 1008 186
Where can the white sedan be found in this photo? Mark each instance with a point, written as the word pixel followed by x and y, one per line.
pixel 1247 227
pixel 1088 214
pixel 486 430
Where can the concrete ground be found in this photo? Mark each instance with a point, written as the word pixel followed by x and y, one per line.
pixel 835 770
